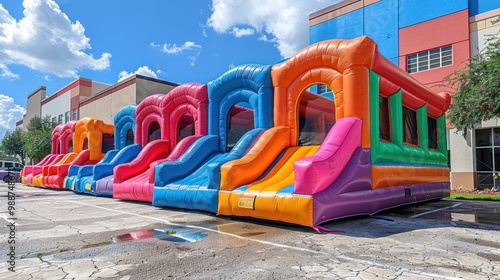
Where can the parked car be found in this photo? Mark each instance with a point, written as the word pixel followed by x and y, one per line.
pixel 12 174
pixel 4 164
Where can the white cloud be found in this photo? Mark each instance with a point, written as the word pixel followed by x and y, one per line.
pixel 174 49
pixel 283 20
pixel 240 32
pixel 188 46
pixel 7 74
pixel 46 40
pixel 10 113
pixel 143 70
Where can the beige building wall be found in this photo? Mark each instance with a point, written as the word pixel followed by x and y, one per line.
pixel 34 105
pixel 98 87
pixel 147 86
pixel 462 148
pixel 107 106
pixel 462 159
pixel 482 27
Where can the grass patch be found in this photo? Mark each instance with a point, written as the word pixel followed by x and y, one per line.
pixel 39 255
pixel 475 196
pixel 63 250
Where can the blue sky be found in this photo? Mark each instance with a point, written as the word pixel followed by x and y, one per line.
pixel 52 42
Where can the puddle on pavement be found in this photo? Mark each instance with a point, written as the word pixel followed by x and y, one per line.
pixel 490 218
pixel 171 233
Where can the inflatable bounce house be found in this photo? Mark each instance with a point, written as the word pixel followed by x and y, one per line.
pixel 270 147
pixel 240 106
pixel 27 172
pixel 387 147
pixel 83 178
pixel 181 117
pixel 62 145
pixel 91 140
pixel 148 140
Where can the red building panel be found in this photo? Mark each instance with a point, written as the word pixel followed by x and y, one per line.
pixel 452 29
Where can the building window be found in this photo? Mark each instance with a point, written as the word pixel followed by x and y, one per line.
pixel 66 117
pixel 54 120
pixel 487 158
pixel 323 89
pixel 431 59
pixel 60 120
pixel 74 115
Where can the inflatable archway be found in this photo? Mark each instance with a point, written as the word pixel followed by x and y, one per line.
pixel 83 178
pixel 90 132
pixel 67 137
pixel 63 144
pixel 149 111
pixel 353 172
pixel 87 149
pixel 250 84
pixel 55 138
pixel 124 122
pixel 185 100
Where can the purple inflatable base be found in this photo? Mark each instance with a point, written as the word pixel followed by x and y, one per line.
pixel 104 186
pixel 369 202
pixel 352 194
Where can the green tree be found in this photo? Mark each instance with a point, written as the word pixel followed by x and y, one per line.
pixel 13 144
pixel 37 140
pixel 476 88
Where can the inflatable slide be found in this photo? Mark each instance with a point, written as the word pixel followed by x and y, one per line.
pixel 62 145
pixel 183 120
pixel 386 146
pixel 92 139
pixel 83 178
pixel 239 110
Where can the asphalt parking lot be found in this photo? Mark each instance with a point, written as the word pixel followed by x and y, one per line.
pixel 53 234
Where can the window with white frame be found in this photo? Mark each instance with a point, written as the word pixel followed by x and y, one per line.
pixel 66 117
pixel 322 88
pixel 430 59
pixel 74 115
pixel 487 158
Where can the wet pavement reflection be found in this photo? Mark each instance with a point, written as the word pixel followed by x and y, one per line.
pixel 452 210
pixel 170 233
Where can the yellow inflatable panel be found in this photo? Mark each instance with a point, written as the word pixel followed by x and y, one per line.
pixel 262 199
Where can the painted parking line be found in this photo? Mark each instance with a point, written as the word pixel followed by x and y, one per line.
pixel 435 210
pixel 9 219
pixel 274 244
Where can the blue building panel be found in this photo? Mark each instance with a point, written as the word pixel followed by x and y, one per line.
pixel 413 12
pixel 477 7
pixel 381 24
pixel 346 26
